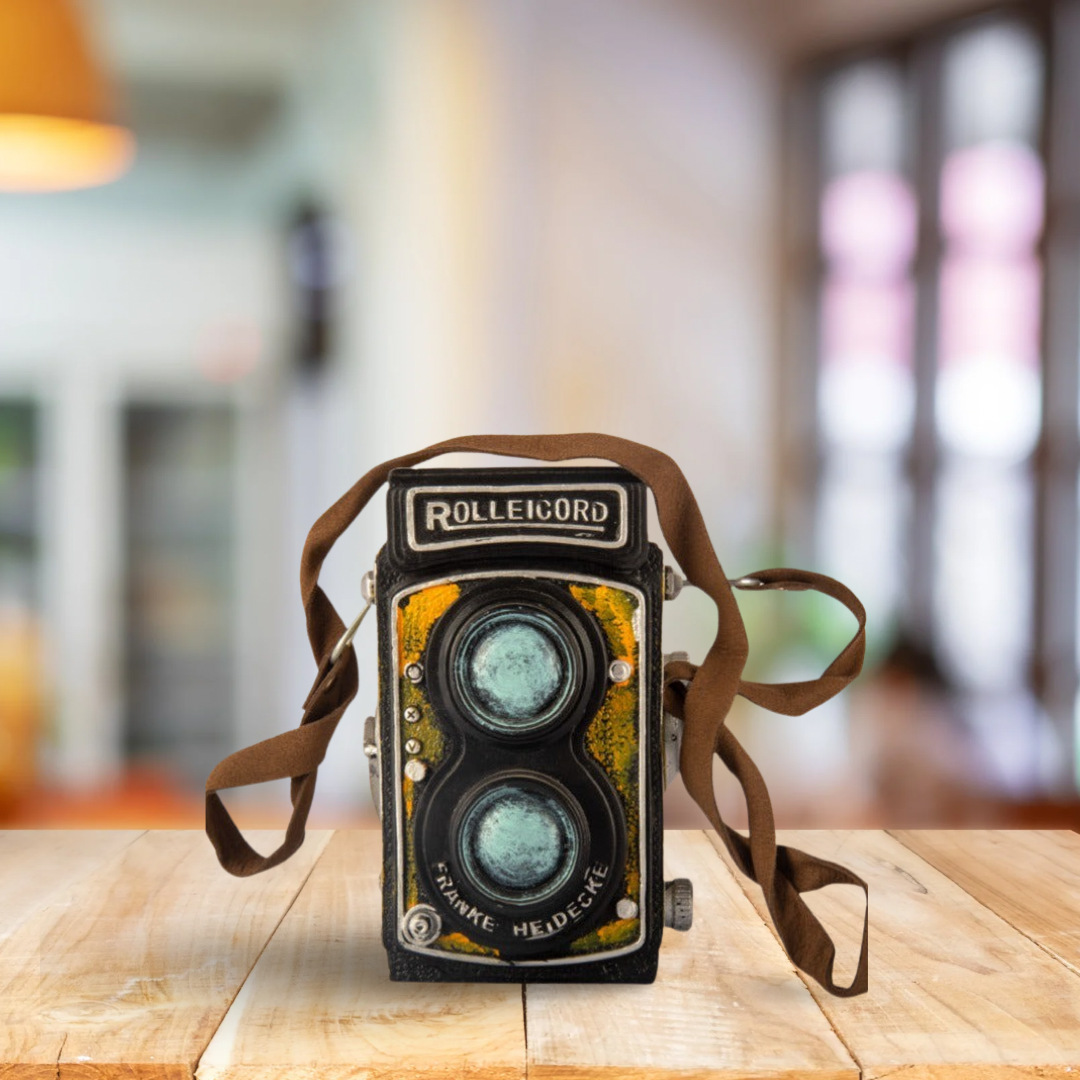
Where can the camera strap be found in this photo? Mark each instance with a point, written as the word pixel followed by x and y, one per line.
pixel 700 694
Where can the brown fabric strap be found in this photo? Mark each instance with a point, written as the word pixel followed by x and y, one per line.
pixel 703 701
pixel 794 699
pixel 782 872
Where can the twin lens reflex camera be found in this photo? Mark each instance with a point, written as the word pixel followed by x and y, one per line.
pixel 520 753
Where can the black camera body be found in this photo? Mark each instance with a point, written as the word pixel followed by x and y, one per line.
pixel 518 752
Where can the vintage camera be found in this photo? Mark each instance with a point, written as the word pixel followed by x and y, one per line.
pixel 518 755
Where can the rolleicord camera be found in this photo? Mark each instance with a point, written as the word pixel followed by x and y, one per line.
pixel 522 743
pixel 518 755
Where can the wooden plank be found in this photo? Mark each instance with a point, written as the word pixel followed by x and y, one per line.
pixel 42 869
pixel 133 976
pixel 39 867
pixel 1031 879
pixel 320 1003
pixel 955 992
pixel 726 1002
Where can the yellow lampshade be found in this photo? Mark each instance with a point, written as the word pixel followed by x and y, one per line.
pixel 55 109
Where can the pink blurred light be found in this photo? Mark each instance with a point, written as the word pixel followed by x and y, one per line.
pixel 868 223
pixel 992 198
pixel 990 307
pixel 862 319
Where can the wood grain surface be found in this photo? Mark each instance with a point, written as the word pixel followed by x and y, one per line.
pixel 955 991
pixel 1031 879
pixel 130 971
pixel 320 1003
pixel 134 955
pixel 726 1002
pixel 40 868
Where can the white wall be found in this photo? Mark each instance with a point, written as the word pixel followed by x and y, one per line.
pixel 97 308
pixel 566 224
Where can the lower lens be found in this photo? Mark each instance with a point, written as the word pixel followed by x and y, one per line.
pixel 519 841
pixel 514 670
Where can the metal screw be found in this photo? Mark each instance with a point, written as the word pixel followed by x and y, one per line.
pixel 412 714
pixel 371 746
pixel 412 746
pixel 620 671
pixel 626 908
pixel 414 672
pixel 415 770
pixel 421 925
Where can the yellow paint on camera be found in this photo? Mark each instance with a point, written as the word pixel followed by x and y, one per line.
pixel 613 934
pixel 416 616
pixel 615 609
pixel 613 736
pixel 459 943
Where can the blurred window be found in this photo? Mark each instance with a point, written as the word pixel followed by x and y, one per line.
pixel 21 646
pixel 988 394
pixel 179 537
pixel 19 499
pixel 943 489
pixel 868 218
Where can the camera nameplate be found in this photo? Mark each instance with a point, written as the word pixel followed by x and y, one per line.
pixel 447 589
pixel 582 516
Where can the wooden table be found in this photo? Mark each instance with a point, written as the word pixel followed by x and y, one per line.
pixel 134 955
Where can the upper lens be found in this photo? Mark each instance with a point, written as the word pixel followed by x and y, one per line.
pixel 514 669
pixel 519 842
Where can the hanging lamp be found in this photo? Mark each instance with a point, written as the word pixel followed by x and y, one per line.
pixel 56 127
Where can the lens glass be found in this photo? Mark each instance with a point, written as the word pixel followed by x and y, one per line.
pixel 515 670
pixel 519 843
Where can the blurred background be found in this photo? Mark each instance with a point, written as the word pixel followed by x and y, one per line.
pixel 824 253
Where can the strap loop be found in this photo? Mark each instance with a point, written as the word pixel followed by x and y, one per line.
pixel 794 699
pixel 703 701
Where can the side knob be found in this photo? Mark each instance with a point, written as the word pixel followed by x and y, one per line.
pixel 371 750
pixel 679 903
pixel 673 583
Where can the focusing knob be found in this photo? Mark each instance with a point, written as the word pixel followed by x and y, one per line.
pixel 679 903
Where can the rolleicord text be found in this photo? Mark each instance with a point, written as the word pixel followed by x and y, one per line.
pixel 444 515
pixel 460 515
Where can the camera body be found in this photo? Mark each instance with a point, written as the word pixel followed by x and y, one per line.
pixel 518 752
